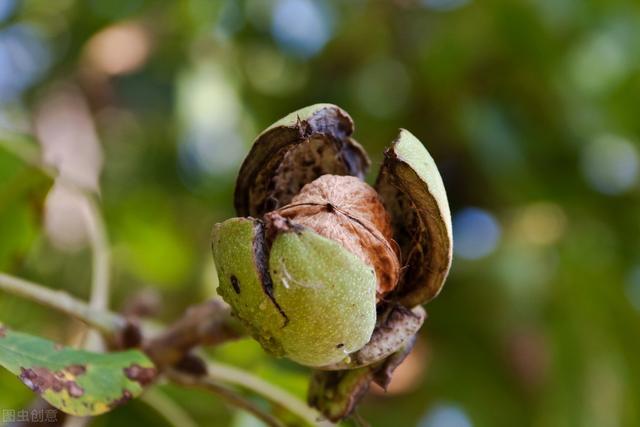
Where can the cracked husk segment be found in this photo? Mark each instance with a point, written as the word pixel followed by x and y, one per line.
pixel 306 113
pixel 348 211
pixel 328 295
pixel 397 328
pixel 411 151
pixel 295 150
pixel 414 195
pixel 233 244
pixel 322 305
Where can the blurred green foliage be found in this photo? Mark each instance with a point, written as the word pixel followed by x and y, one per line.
pixel 529 107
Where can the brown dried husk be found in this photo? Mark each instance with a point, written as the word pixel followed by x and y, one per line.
pixel 413 193
pixel 294 151
pixel 336 394
pixel 396 326
pixel 347 210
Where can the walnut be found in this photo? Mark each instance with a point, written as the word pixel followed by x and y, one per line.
pixel 347 210
pixel 325 269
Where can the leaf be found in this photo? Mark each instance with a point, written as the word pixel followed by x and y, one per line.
pixel 22 193
pixel 75 381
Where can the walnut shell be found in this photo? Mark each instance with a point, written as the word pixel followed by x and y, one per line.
pixel 347 210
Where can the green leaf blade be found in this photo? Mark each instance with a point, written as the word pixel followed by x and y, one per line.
pixel 77 382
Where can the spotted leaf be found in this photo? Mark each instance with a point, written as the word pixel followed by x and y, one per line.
pixel 75 381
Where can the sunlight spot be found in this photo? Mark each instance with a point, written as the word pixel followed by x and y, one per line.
pixel 445 415
pixel 23 59
pixel 301 27
pixel 610 164
pixel 119 49
pixel 476 233
pixel 541 223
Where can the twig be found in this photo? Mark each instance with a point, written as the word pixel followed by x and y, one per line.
pixel 106 322
pixel 99 299
pixel 209 323
pixel 167 408
pixel 205 324
pixel 233 398
pixel 23 147
pixel 231 375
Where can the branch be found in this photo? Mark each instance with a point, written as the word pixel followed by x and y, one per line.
pixel 205 324
pixel 100 283
pixel 231 375
pixel 209 323
pixel 99 299
pixel 109 324
pixel 167 408
pixel 225 393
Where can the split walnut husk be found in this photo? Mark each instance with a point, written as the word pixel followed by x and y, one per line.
pixel 323 268
pixel 347 210
pixel 297 149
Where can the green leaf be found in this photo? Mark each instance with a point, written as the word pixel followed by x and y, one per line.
pixel 75 381
pixel 22 192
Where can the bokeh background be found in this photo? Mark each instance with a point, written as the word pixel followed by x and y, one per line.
pixel 531 109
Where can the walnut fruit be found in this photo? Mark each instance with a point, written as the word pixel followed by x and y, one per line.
pixel 323 268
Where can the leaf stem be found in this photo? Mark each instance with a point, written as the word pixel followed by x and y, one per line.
pixel 100 282
pixel 106 322
pixel 167 408
pixel 23 147
pixel 99 299
pixel 232 375
pixel 229 395
pixel 208 323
